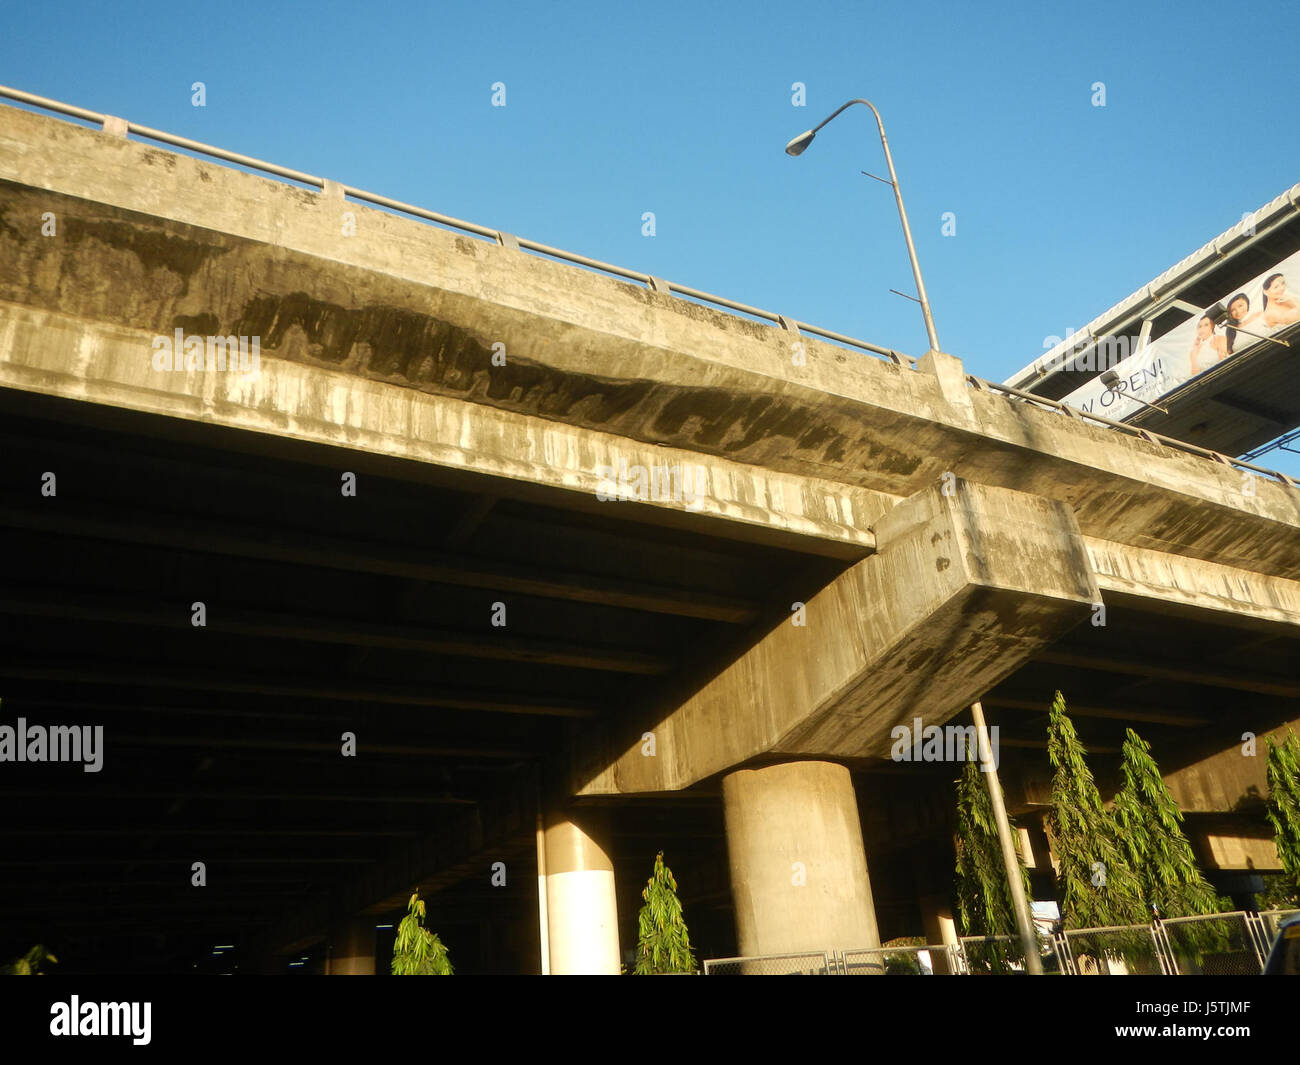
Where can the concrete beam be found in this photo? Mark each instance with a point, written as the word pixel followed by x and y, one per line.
pixel 968 584
pixel 1240 847
pixel 59 355
pixel 1230 779
pixel 1164 581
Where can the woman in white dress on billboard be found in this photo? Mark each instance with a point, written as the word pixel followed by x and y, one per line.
pixel 1207 349
pixel 1280 306
pixel 1239 315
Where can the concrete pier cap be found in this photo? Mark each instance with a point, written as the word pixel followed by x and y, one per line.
pixel 968 583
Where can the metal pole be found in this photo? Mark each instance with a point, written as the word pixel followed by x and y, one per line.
pixel 924 300
pixel 907 235
pixel 1024 921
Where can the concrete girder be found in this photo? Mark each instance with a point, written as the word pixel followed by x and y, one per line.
pixel 1193 585
pixel 71 358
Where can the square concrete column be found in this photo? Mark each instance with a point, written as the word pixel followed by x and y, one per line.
pixel 582 914
pixel 798 868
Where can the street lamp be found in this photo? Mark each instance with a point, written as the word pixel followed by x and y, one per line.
pixel 797 146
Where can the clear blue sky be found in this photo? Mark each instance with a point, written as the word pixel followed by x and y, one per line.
pixel 1062 208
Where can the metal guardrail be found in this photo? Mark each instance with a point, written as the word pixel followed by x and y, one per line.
pixel 126 127
pixel 980 385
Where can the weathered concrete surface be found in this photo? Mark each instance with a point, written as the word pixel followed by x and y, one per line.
pixel 152 241
pixel 1229 779
pixel 965 587
pixel 799 876
pixel 1177 582
pixel 1231 849
pixel 581 903
pixel 65 356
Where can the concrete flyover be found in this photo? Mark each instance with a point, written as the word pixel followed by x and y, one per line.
pixel 811 547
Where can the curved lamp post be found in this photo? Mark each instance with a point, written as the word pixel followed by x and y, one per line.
pixel 797 146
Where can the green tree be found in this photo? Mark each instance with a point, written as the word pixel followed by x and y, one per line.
pixel 1150 836
pixel 1284 802
pixel 417 951
pixel 1280 893
pixel 984 905
pixel 30 963
pixel 663 944
pixel 903 962
pixel 1096 885
pixel 983 895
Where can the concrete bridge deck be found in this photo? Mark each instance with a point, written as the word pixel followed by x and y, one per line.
pixel 948 543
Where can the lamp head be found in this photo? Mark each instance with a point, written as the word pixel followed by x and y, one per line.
pixel 1110 379
pixel 799 143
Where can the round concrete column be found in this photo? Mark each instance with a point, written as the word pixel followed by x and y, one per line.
pixel 582 916
pixel 352 949
pixel 940 928
pixel 798 869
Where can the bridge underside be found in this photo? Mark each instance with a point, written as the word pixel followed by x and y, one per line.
pixel 384 537
pixel 223 742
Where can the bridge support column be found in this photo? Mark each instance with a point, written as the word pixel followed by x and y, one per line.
pixel 582 914
pixel 798 869
pixel 352 949
pixel 940 928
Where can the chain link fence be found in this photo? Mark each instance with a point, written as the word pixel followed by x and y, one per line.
pixel 1217 945
pixel 1234 943
pixel 1272 921
pixel 1119 950
pixel 818 963
pixel 1005 956
pixel 900 961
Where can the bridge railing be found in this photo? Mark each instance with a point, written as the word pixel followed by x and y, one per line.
pixel 125 127
pixel 980 385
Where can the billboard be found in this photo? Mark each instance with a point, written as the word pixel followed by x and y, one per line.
pixel 1267 305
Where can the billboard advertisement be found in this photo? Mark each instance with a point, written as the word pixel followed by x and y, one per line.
pixel 1267 305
